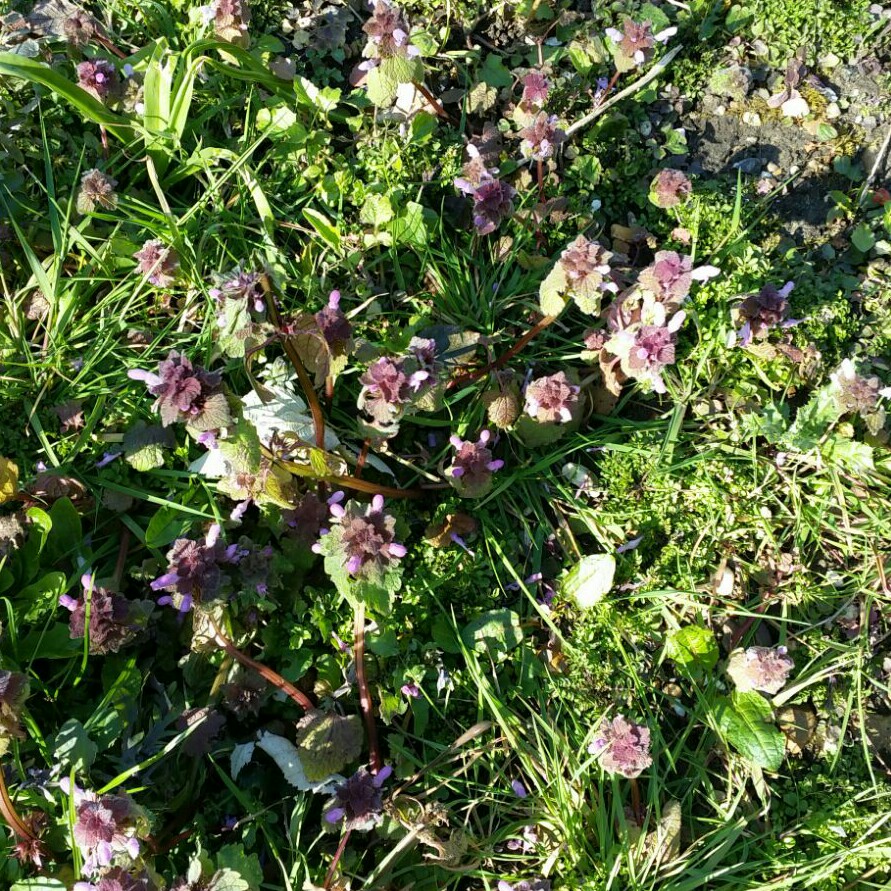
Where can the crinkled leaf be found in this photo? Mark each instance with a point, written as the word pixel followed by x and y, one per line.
pixel 497 630
pixel 247 866
pixel 286 756
pixel 144 445
pixel 381 87
pixel 692 649
pixel 377 210
pixel 590 580
pixel 285 412
pixel 327 742
pixel 552 292
pixel 240 758
pixel 9 479
pixel 746 720
pixel 227 880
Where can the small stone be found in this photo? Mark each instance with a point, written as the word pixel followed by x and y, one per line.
pixel 869 122
pixel 829 61
pixel 752 118
pixel 832 111
pixel 794 169
pixel 774 169
pixel 721 110
pixel 750 166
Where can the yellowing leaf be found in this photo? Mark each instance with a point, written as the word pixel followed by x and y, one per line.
pixel 9 479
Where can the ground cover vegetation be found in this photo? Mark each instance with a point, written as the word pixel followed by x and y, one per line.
pixel 444 446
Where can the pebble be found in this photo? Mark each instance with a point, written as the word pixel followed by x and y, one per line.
pixel 833 111
pixel 774 169
pixel 794 169
pixel 750 166
pixel 829 61
pixel 752 118
pixel 869 122
pixel 721 110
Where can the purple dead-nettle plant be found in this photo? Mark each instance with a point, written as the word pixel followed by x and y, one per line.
pixel 552 399
pixel 475 172
pixel 193 570
pixel 856 394
pixel 241 286
pixel 635 43
pixel 114 620
pixel 644 351
pixel 230 19
pixel 306 519
pixel 105 828
pixel 583 273
pixel 100 78
pixel 118 879
pixel 493 202
pixel 535 91
pixel 364 538
pixel 387 32
pixel 254 565
pixel 470 473
pixel 525 885
pixel 335 326
pixel 79 27
pixel 186 393
pixel 96 190
pixel 358 803
pixel 761 312
pixel 541 138
pixel 386 390
pixel 157 262
pixel 424 358
pixel 13 693
pixel 760 668
pixel 670 188
pixel 670 276
pixel 622 747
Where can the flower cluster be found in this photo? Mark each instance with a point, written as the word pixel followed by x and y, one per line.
pixel 157 262
pixel 193 570
pixel 670 188
pixel 96 189
pixel 365 539
pixel 541 138
pixel 388 32
pixel 358 802
pixel 622 747
pixel 100 78
pixel 186 393
pixel 118 879
pixel 583 273
pixel 856 394
pixel 472 467
pixel 633 46
pixel 552 399
pixel 230 20
pixel 761 312
pixel 13 693
pixel 492 198
pixel 525 885
pixel 113 619
pixel 759 668
pixel 335 326
pixel 243 287
pixel 535 91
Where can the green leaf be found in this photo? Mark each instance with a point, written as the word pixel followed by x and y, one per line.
pixel 42 597
pixel 693 650
pixel 746 720
pixel 73 748
pixel 325 100
pixel 381 88
pixel 552 291
pixel 589 581
pixel 862 238
pixel 66 534
pixel 410 227
pixel 738 18
pixel 40 883
pixel 247 866
pixel 327 231
pixel 402 70
pixel 166 526
pixel 494 73
pixel 854 456
pixel 376 211
pixel 497 630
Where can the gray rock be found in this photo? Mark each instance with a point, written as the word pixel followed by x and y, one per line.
pixel 750 166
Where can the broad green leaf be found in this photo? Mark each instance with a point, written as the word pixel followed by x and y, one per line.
pixel 590 579
pixel 494 72
pixel 693 649
pixel 552 292
pixel 326 229
pixel 746 720
pixel 166 526
pixel 497 630
pixel 40 883
pixel 376 211
pixel 73 748
pixel 66 535
pixel 247 866
pixel 862 238
pixel 409 227
pixel 381 88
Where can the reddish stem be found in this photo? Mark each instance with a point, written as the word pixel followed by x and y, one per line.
pixel 433 102
pixel 337 855
pixel 502 360
pixel 365 703
pixel 10 814
pixel 121 564
pixel 363 457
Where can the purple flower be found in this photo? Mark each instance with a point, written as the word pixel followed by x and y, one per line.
pixel 492 204
pixel 669 277
pixel 13 693
pixel 765 310
pixel 635 42
pixel 306 519
pixel 856 394
pixel 472 467
pixel 118 879
pixel 670 188
pixel 96 188
pixel 244 287
pixel 386 389
pixel 622 747
pixel 388 32
pixel 113 620
pixel 552 399
pixel 157 262
pixel 186 393
pixel 519 789
pixel 98 77
pixel 193 570
pixel 366 538
pixel 104 827
pixel 535 90
pixel 475 172
pixel 334 325
pixel 411 690
pixel 759 668
pixel 525 885
pixel 359 801
pixel 541 137
pixel 230 20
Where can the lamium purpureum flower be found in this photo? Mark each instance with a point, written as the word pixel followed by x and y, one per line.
pixel 760 668
pixel 670 188
pixel 365 539
pixel 185 393
pixel 193 570
pixel 493 202
pixel 760 312
pixel 670 276
pixel 230 20
pixel 358 803
pixel 334 325
pixel 157 262
pixel 856 394
pixel 118 879
pixel 475 172
pixel 388 32
pixel 635 43
pixel 535 90
pixel 644 351
pixel 470 473
pixel 525 885
pixel 622 747
pixel 386 389
pixel 583 272
pixel 96 188
pixel 552 399
pixel 105 827
pixel 113 618
pixel 99 77
pixel 242 286
pixel 541 138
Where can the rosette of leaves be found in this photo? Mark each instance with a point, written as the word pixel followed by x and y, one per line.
pixel 362 555
pixel 581 274
pixel 392 60
pixel 553 407
pixel 326 742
